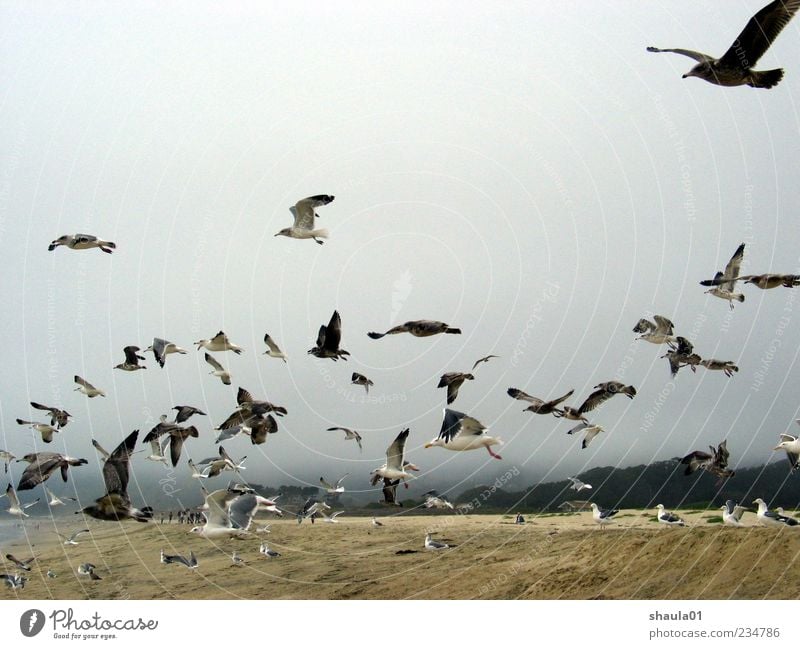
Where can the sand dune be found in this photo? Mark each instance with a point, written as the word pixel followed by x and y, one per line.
pixel 550 557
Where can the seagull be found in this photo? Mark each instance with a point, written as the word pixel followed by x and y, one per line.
pixel 418 328
pixel 540 407
pixel 14 504
pixel 658 332
pixel 772 519
pixel 161 348
pixel 82 242
pixel 191 563
pixel 485 359
pixel 434 501
pixel 219 371
pixel 727 367
pixel 349 434
pixel 14 581
pixel 185 412
pixel 668 518
pixel 250 406
pixel 303 213
pixel 54 500
pixel 334 489
pixel 195 473
pixel 732 514
pixel 395 468
pixel 223 462
pixel 132 359
pixel 331 518
pixel 311 509
pixel 734 68
pixel 519 519
pixel 51 574
pixel 236 560
pixel 7 457
pixel 724 283
pixel 328 340
pixel 772 280
pixel 270 554
pixel 88 569
pixel 45 429
pixel 430 544
pixel 58 417
pixel 177 436
pixel 71 539
pixel 42 465
pixel 590 431
pixel 578 485
pixel 603 516
pixel 360 379
pixel 453 381
pixel 715 462
pixel 115 504
pixel 603 392
pixel 376 523
pixel 218 343
pixel 157 451
pixel 273 350
pixel 227 514
pixel 461 432
pixel 22 565
pixel 791 445
pixel 682 356
pixel 87 388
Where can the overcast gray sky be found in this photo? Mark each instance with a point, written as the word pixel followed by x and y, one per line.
pixel 524 171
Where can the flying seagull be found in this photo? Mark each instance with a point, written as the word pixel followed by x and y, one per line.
pixel 218 371
pixel 460 432
pixel 184 412
pixel 539 406
pixel 452 381
pixel 349 434
pixel 45 429
pixel 227 514
pixel 772 280
pixel 360 379
pixel 14 506
pixel 791 445
pixel 668 518
pixel 334 489
pixel 58 417
pixel 161 348
pixel 132 359
pixel 434 501
pixel 14 581
pixel 590 431
pixel 115 505
pixel 727 367
pixel 682 356
pixel 715 462
pixel 724 282
pixel 418 328
pixel 657 332
pixel 42 465
pixel 22 565
pixel 72 538
pixel 304 214
pixel 578 485
pixel 87 388
pixel 328 340
pixel 395 467
pixel 602 393
pixel 219 343
pixel 485 359
pixel 54 501
pixel 735 67
pixel 272 348
pixel 82 242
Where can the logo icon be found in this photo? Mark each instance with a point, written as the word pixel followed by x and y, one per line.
pixel 31 622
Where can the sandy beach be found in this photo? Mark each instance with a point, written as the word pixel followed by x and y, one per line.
pixel 549 557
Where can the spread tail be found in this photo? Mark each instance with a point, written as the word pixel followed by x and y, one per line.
pixel 766 79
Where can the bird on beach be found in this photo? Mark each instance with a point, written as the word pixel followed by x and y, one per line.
pixel 769 518
pixel 578 485
pixel 220 372
pixel 115 505
pixel 72 538
pixel 161 348
pixel 735 67
pixel 82 242
pixel 349 433
pixel 58 417
pixel 539 406
pixel 430 544
pixel 603 517
pixel 22 565
pixel 329 339
pixel 88 570
pixel 715 462
pixel 376 523
pixel 219 343
pixel 42 465
pixel 270 554
pixel 460 432
pixel 331 518
pixel 13 581
pixel 191 563
pixel 453 381
pixel 132 359
pixel 791 445
pixel 227 515
pixel 519 519
pixel 724 282
pixel 46 430
pixel 418 328
pixel 732 514
pixel 360 379
pixel 657 332
pixel 272 348
pixel 668 518
pixel 87 388
pixel 304 215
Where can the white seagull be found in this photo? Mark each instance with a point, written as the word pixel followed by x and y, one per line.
pixel 270 554
pixel 349 434
pixel 773 519
pixel 87 388
pixel 603 516
pixel 395 467
pixel 460 432
pixel 227 515
pixel 430 544
pixel 590 431
pixel 304 214
pixel 578 485
pixel 273 350
pixel 668 518
pixel 732 514
pixel 219 371
pixel 334 489
pixel 161 348
pixel 791 445
pixel 53 500
pixel 82 242
pixel 218 343
pixel 14 505
pixel 71 539
pixel 724 283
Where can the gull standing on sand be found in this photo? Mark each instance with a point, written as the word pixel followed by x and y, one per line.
pixel 218 343
pixel 87 388
pixel 418 328
pixel 191 563
pixel 328 340
pixel 270 554
pixel 603 517
pixel 42 465
pixel 88 569
pixel 115 505
pixel 724 282
pixel 349 434
pixel 768 518
pixel 82 242
pixel 132 359
pixel 460 432
pixel 540 407
pixel 161 348
pixel 430 544
pixel 578 485
pixel 452 381
pixel 376 523
pixel 304 215
pixel 218 371
pixel 360 379
pixel 668 518
pixel 272 348
pixel 734 68
pixel 732 514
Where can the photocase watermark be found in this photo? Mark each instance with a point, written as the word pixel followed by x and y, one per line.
pixel 67 626
pixel 401 289
pixel 31 622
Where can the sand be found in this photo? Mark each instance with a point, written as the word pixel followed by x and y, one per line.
pixel 550 557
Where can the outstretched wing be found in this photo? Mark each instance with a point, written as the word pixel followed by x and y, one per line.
pixel 758 34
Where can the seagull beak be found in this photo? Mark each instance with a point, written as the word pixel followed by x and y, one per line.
pixel 685 76
pixel 777 448
pixel 428 445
